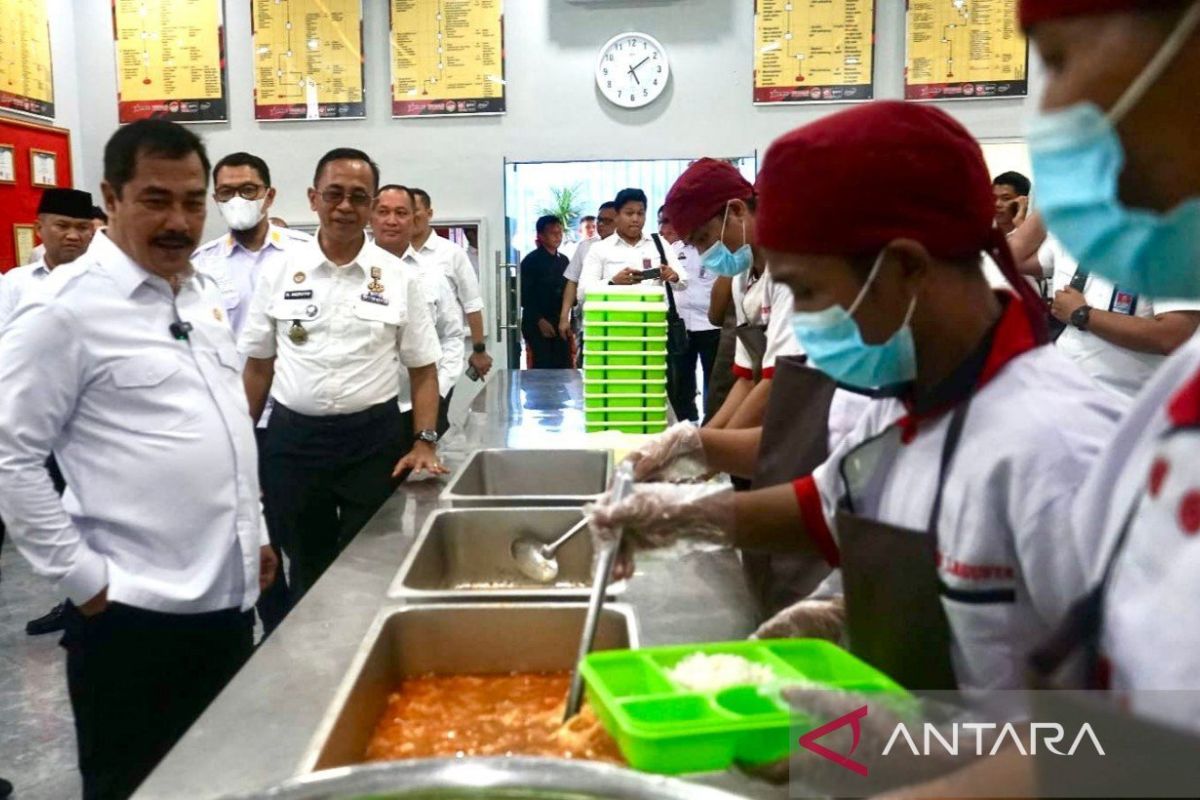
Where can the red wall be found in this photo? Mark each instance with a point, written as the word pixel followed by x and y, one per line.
pixel 18 202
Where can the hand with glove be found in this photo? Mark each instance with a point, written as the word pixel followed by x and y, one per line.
pixel 659 515
pixel 808 619
pixel 677 454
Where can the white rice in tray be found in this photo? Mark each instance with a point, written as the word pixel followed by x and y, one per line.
pixel 701 672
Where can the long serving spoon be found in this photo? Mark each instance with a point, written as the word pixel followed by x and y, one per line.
pixel 622 486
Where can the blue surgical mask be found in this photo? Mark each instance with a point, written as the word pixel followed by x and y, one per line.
pixel 718 259
pixel 834 344
pixel 1077 160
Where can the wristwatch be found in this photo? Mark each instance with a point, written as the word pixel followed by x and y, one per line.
pixel 479 347
pixel 429 437
pixel 1081 316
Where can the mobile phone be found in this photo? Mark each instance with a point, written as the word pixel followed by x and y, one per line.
pixel 1014 209
pixel 651 274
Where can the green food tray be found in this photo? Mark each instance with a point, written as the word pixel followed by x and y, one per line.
pixel 626 373
pixel 624 427
pixel 611 296
pixel 626 312
pixel 597 358
pixel 624 344
pixel 662 728
pixel 640 413
pixel 597 402
pixel 607 387
pixel 624 329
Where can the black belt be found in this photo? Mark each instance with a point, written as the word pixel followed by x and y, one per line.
pixel 379 411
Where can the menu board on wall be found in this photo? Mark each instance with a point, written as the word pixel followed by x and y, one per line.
pixel 447 57
pixel 170 60
pixel 26 76
pixel 808 51
pixel 308 59
pixel 964 49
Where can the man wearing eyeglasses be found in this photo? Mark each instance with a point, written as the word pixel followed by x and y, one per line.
pixel 243 192
pixel 330 327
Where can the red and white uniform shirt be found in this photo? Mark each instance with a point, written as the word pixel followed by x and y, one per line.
pixel 1151 636
pixel 1035 426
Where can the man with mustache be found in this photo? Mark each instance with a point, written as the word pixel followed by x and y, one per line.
pixel 123 363
pixel 330 329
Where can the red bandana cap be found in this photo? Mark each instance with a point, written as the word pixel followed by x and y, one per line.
pixel 852 182
pixel 701 193
pixel 1035 11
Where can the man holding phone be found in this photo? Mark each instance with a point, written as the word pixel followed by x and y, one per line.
pixel 630 257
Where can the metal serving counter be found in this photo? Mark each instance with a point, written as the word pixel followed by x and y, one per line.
pixel 256 733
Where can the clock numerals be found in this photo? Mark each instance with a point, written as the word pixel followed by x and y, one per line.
pixel 632 70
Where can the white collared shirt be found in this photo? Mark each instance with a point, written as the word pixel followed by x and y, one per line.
pixel 693 299
pixel 453 260
pixel 606 258
pixel 16 283
pixel 575 267
pixel 152 434
pixel 447 321
pixel 358 338
pixel 236 269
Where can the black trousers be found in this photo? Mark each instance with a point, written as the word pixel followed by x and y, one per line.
pixel 554 353
pixel 138 679
pixel 323 479
pixel 682 386
pixel 275 603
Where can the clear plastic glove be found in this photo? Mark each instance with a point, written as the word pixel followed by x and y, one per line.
pixel 808 619
pixel 659 515
pixel 677 454
pixel 862 739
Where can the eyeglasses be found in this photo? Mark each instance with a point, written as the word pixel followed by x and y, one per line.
pixel 247 191
pixel 334 196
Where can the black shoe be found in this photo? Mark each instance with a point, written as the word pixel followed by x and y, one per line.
pixel 54 621
pixel 5 788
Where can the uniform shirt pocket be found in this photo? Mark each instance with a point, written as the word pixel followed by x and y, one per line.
pixel 383 320
pixel 151 388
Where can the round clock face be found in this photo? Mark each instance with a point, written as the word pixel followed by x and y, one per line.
pixel 632 70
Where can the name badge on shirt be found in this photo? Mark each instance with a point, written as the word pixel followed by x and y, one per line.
pixel 1123 302
pixel 304 294
pixel 372 297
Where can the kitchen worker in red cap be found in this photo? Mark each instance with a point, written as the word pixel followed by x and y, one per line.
pixel 1118 173
pixel 797 413
pixel 947 507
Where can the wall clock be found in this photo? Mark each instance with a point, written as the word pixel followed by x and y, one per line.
pixel 632 70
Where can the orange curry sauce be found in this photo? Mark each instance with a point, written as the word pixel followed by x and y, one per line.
pixel 487 715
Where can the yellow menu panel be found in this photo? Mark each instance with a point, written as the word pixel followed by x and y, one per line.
pixel 26 76
pixel 170 59
pixel 965 49
pixel 447 57
pixel 308 59
pixel 813 50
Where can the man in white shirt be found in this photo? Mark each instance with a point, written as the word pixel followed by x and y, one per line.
pixel 65 228
pixel 456 263
pixel 620 260
pixel 568 321
pixel 1119 338
pixel 64 225
pixel 391 222
pixel 703 336
pixel 123 363
pixel 329 330
pixel 243 194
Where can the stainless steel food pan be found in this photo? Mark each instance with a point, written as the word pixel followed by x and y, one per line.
pixel 531 478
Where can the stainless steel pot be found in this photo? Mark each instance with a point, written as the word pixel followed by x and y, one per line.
pixel 488 779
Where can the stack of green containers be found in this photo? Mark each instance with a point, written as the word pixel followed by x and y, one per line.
pixel 625 359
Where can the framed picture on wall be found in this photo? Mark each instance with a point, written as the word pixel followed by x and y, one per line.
pixel 8 163
pixel 43 165
pixel 23 242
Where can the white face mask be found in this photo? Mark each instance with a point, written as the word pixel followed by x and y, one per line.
pixel 241 214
